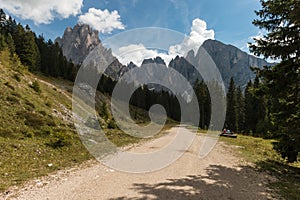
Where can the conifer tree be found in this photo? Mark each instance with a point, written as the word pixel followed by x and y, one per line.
pixel 231 114
pixel 240 109
pixel 249 109
pixel 26 47
pixel 2 21
pixel 281 20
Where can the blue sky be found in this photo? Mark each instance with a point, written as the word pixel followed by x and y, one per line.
pixel 230 20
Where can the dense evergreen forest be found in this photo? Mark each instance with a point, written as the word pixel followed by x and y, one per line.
pixel 34 52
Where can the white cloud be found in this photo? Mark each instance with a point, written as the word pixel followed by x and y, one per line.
pixel 198 35
pixel 259 35
pixel 42 11
pixel 136 53
pixel 102 20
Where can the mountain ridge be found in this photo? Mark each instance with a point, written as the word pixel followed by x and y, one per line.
pixel 78 42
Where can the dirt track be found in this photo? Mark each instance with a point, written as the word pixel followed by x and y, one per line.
pixel 220 175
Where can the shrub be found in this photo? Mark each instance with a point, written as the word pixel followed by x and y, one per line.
pixel 16 94
pixel 46 130
pixel 17 77
pixel 48 104
pixel 6 132
pixel 32 119
pixel 50 122
pixel 287 148
pixel 60 139
pixel 36 86
pixel 112 124
pixel 28 103
pixel 42 112
pixel 9 85
pixel 12 99
pixel 105 111
pixel 27 132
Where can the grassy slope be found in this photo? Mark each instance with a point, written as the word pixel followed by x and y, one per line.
pixel 36 127
pixel 260 152
pixel 32 133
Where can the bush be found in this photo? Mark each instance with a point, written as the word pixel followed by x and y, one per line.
pixel 6 132
pixel 48 104
pixel 46 130
pixel 36 86
pixel 12 99
pixel 42 112
pixel 287 148
pixel 27 132
pixel 32 119
pixel 29 104
pixel 17 77
pixel 9 85
pixel 16 94
pixel 105 111
pixel 112 124
pixel 60 139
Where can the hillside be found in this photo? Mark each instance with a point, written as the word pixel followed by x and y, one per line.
pixel 37 135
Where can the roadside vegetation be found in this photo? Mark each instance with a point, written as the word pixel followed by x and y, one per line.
pixel 260 152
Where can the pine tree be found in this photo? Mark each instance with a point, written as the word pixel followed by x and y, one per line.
pixel 26 47
pixel 231 114
pixel 258 106
pixel 10 44
pixel 3 44
pixel 249 124
pixel 2 21
pixel 240 109
pixel 281 82
pixel 204 103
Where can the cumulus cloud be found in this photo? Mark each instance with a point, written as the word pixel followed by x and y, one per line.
pixel 102 20
pixel 198 35
pixel 42 11
pixel 136 53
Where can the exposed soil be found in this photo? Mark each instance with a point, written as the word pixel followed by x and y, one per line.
pixel 220 175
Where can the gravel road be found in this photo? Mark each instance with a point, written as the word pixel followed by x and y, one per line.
pixel 220 175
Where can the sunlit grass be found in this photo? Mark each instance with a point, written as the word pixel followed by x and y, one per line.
pixel 260 152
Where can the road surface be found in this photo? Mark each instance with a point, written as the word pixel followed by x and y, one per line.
pixel 220 175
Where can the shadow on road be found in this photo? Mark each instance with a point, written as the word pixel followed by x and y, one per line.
pixel 219 183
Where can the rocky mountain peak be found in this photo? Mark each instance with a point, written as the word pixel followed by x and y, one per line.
pixel 232 62
pixel 78 42
pixel 157 60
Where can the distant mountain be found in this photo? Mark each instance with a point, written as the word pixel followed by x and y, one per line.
pixel 82 44
pixel 232 62
pixel 149 68
pixel 78 42
pixel 185 68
